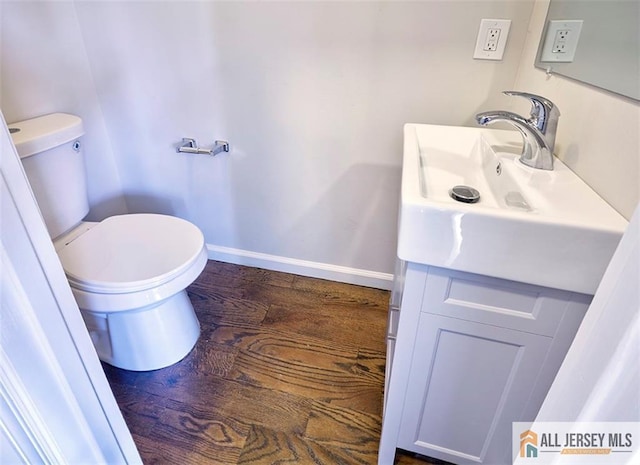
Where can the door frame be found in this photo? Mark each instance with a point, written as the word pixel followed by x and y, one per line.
pixel 56 404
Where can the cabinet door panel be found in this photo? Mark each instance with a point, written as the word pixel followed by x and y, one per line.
pixel 495 301
pixel 468 382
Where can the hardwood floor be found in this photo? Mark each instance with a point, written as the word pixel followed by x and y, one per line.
pixel 287 369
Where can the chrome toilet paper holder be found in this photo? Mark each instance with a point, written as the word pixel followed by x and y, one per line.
pixel 189 145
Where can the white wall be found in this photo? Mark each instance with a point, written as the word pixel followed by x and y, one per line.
pixel 44 69
pixel 598 131
pixel 312 97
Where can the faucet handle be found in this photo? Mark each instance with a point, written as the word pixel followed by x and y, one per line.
pixel 544 112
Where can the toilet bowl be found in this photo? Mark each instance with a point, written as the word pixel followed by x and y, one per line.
pixel 128 273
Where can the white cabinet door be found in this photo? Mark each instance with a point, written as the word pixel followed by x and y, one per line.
pixel 468 383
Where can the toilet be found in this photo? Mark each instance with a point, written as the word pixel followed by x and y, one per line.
pixel 128 273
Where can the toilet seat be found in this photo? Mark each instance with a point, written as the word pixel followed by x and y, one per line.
pixel 132 253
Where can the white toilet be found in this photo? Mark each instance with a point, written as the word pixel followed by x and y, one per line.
pixel 128 273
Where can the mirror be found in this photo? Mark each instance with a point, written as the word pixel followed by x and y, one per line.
pixel 594 41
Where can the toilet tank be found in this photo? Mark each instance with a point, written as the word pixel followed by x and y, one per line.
pixel 51 154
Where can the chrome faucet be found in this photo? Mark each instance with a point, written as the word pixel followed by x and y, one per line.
pixel 538 132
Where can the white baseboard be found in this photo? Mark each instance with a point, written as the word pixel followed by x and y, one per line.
pixel 343 274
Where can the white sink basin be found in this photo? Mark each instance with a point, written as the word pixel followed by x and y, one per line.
pixel 533 226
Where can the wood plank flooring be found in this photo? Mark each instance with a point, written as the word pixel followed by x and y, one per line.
pixel 287 369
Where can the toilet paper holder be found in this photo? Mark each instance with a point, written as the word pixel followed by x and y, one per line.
pixel 189 145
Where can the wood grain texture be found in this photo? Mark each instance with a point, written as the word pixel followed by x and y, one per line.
pixel 266 446
pixel 287 370
pixel 207 433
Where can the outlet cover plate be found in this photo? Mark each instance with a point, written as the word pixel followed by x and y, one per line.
pixel 492 39
pixel 561 41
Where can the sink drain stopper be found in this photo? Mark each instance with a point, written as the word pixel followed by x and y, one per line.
pixel 464 194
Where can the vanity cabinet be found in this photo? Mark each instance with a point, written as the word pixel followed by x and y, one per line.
pixel 467 356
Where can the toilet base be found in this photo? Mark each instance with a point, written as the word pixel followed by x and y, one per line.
pixel 145 339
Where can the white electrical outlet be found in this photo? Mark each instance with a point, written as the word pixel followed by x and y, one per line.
pixel 491 42
pixel 492 39
pixel 561 41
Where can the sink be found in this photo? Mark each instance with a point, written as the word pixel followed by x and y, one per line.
pixel 540 227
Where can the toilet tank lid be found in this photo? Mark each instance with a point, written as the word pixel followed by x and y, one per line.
pixel 45 132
